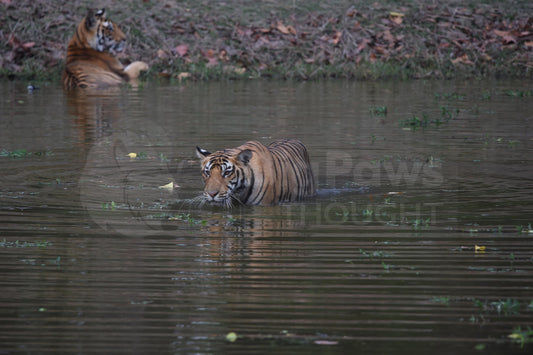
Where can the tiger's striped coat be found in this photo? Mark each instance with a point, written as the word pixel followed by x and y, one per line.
pixel 91 60
pixel 254 174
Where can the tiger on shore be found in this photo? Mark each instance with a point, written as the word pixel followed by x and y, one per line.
pixel 91 55
pixel 254 174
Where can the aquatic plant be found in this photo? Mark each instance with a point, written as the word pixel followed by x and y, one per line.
pixel 186 217
pixel 445 300
pixel 449 96
pixel 522 336
pixel 415 122
pixel 519 93
pixel 378 110
pixel 23 244
pixel 506 307
pixel 448 114
pixel 109 205
pixel 23 153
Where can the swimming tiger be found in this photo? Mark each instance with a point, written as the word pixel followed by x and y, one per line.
pixel 91 60
pixel 254 174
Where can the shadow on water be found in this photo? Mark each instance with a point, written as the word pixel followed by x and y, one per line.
pixel 419 238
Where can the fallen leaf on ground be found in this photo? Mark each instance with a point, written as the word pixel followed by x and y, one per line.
pixel 161 54
pixel 396 17
pixel 285 29
pixel 507 36
pixel 182 50
pixel 462 60
pixel 335 39
pixel 132 155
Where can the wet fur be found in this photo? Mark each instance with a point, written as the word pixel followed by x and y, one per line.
pixel 255 174
pixel 91 60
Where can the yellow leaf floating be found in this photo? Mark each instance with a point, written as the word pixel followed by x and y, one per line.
pixel 231 337
pixel 479 249
pixel 132 155
pixel 170 186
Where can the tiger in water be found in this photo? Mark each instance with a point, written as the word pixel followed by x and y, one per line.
pixel 254 174
pixel 91 55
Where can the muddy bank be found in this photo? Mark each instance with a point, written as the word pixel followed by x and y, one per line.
pixel 297 39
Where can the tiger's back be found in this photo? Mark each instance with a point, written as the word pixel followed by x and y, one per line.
pixel 91 60
pixel 292 178
pixel 255 174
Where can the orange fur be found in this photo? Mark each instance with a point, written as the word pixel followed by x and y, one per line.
pixel 255 174
pixel 91 60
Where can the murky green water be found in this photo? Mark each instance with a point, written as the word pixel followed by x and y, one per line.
pixel 418 241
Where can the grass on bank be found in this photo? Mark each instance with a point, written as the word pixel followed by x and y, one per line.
pixel 297 39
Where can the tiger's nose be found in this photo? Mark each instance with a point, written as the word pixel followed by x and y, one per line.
pixel 212 193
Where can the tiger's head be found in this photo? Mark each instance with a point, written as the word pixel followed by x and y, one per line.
pixel 225 175
pixel 101 34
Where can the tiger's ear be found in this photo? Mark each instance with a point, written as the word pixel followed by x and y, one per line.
pixel 245 156
pixel 201 153
pixel 92 18
pixel 100 13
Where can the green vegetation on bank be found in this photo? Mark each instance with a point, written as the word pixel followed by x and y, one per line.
pixel 297 39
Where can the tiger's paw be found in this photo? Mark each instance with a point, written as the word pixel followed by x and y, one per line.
pixel 135 69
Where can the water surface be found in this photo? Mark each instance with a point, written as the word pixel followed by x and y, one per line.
pixel 419 239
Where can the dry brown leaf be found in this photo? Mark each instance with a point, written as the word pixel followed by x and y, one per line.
pixel 364 43
pixel 223 55
pixel 161 54
pixel 387 36
pixel 285 29
pixel 211 61
pixel 182 50
pixel 336 38
pixel 380 49
pixel 507 36
pixel 396 17
pixel 462 60
pixel 28 45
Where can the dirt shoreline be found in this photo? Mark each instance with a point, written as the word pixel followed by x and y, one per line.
pixel 210 40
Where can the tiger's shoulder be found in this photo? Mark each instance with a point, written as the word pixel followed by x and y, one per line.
pixel 91 60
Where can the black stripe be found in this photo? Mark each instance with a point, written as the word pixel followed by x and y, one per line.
pixel 276 160
pixel 295 170
pixel 262 195
pixel 251 187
